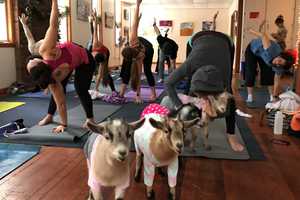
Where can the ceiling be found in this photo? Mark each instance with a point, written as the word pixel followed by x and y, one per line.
pixel 194 3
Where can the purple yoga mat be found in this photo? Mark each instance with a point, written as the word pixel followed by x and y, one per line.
pixel 145 94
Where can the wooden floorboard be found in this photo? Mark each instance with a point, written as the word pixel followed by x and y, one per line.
pixel 61 174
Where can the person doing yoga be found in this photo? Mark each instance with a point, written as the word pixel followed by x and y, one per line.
pixel 138 52
pixel 54 70
pixel 100 52
pixel 209 67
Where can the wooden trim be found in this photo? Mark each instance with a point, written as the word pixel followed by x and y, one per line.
pixel 9 12
pixel 69 22
pixel 7 44
pixel 239 36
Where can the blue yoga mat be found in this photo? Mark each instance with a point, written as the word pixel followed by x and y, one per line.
pixel 13 156
pixel 41 94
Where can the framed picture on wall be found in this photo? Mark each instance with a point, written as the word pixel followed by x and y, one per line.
pixel 84 8
pixel 109 20
pixel 186 29
pixel 126 14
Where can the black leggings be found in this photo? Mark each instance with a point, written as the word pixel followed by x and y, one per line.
pixel 83 79
pixel 126 69
pixel 266 72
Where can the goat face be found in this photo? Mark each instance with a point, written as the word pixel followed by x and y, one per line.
pixel 118 133
pixel 173 131
pixel 188 112
pixel 218 103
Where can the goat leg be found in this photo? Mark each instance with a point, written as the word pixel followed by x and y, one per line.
pixel 119 193
pixel 95 195
pixel 138 167
pixel 150 193
pixel 205 133
pixel 172 193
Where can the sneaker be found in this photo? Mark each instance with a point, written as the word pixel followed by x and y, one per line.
pixel 160 81
pixel 16 132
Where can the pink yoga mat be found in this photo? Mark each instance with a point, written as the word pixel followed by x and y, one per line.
pixel 145 94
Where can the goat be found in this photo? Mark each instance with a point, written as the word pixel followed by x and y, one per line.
pixel 160 141
pixel 216 108
pixel 107 151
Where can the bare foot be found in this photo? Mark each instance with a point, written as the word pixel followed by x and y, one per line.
pixel 234 143
pixel 47 120
pixel 86 121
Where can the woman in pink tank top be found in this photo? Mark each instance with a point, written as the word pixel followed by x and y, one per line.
pixel 54 69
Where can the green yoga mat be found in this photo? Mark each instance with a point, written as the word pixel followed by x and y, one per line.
pixel 5 105
pixel 13 156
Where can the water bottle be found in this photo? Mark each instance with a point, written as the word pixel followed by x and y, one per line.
pixel 278 123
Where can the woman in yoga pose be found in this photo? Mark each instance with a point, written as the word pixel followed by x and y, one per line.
pixel 209 67
pixel 100 52
pixel 138 52
pixel 54 70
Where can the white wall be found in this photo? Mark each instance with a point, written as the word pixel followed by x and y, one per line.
pixel 269 10
pixel 80 29
pixel 7 67
pixel 179 15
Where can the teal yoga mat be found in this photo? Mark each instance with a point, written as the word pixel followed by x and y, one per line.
pixel 13 156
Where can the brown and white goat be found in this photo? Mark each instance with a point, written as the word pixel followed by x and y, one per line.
pixel 107 151
pixel 160 141
pixel 216 107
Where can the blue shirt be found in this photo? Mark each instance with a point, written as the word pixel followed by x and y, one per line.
pixel 268 54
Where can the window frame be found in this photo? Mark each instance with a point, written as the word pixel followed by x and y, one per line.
pixel 9 12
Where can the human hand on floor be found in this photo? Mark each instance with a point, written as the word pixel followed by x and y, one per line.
pixel 138 100
pixel 59 129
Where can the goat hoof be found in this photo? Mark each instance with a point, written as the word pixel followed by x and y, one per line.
pixel 171 196
pixel 161 172
pixel 119 199
pixel 137 178
pixel 150 195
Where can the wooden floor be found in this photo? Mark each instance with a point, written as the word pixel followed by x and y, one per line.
pixel 61 173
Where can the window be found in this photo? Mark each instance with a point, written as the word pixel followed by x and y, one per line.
pixel 6 33
pixel 64 20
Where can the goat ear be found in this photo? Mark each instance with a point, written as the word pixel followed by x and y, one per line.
pixel 156 124
pixel 137 124
pixel 96 128
pixel 187 124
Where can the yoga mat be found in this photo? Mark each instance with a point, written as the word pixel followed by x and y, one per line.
pixel 218 140
pixel 261 97
pixel 13 156
pixel 41 94
pixel 72 137
pixel 5 105
pixel 145 94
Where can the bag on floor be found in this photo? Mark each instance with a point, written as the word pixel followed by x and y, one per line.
pixel 289 102
pixel 286 119
pixel 13 128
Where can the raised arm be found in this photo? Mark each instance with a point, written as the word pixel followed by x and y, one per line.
pixel 156 29
pixel 135 26
pixel 95 34
pixel 30 39
pixel 50 39
pixel 100 30
pixel 214 25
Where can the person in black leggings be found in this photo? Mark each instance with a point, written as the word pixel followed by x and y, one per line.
pixel 209 67
pixel 100 52
pixel 126 67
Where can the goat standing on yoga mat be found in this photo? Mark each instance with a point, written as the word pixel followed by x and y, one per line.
pixel 54 70
pixel 107 152
pixel 160 141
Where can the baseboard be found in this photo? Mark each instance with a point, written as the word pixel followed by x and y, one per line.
pixel 3 92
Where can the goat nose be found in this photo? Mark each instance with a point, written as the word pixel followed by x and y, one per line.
pixel 122 153
pixel 179 145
